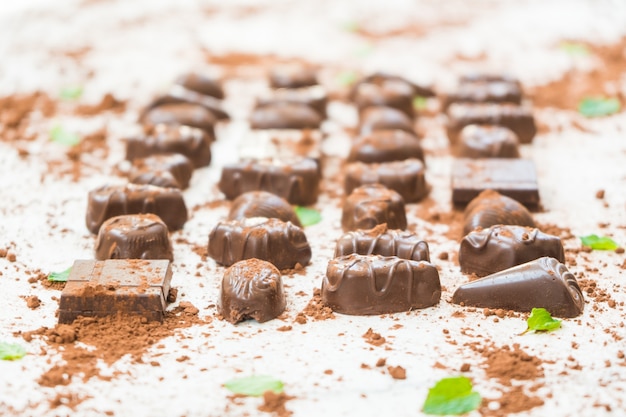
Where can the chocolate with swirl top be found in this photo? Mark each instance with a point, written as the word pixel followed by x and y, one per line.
pixel 373 284
pixel 177 165
pixel 386 146
pixel 384 118
pixel 185 114
pixel 490 208
pixel 262 204
pixel 373 204
pixel 541 283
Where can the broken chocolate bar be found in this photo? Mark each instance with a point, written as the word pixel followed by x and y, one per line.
pixel 490 208
pixel 262 204
pixel 373 204
pixel 487 141
pixel 385 146
pixel 177 165
pixel 285 115
pixel 184 114
pixel 383 241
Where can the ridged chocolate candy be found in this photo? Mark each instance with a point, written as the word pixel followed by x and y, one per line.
pixel 485 92
pixel 491 208
pixel 285 115
pixel 177 165
pixel 180 94
pixel 487 141
pixel 386 146
pixel 384 118
pixel 314 97
pixel 373 204
pixel 186 114
pixel 262 204
pixel 383 241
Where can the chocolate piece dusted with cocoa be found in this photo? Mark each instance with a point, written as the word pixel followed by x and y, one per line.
pixel 513 177
pixel 177 165
pixel 115 200
pixel 202 83
pixel 296 180
pixel 373 284
pixel 384 118
pixel 541 283
pixel 134 236
pixel 485 92
pixel 251 289
pixel 405 177
pixel 186 114
pixel 262 204
pixel 314 97
pixel 487 141
pixel 496 248
pixel 285 115
pixel 283 244
pixel 385 92
pixel 116 286
pixel 519 119
pixel 180 94
pixel 379 77
pixel 383 241
pixel 490 208
pixel 373 204
pixel 194 143
pixel 385 146
pixel 292 76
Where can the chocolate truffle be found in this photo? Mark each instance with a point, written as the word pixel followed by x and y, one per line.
pixel 251 289
pixel 262 204
pixel 379 77
pixel 180 94
pixel 487 141
pixel 158 178
pixel 385 146
pixel 541 283
pixel 373 284
pixel 185 114
pixel 385 92
pixel 496 248
pixel 292 76
pixel 383 241
pixel 490 208
pixel 314 97
pixel 485 92
pixel 134 236
pixel 202 83
pixel 285 115
pixel 373 204
pixel 283 244
pixel 177 165
pixel 384 118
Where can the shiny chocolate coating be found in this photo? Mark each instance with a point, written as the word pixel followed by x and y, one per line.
pixel 184 114
pixel 251 289
pixel 134 236
pixel 405 177
pixel 385 146
pixel 373 204
pixel 262 204
pixel 496 248
pixel 285 115
pixel 201 83
pixel 380 77
pixel 384 118
pixel 487 141
pixel 490 208
pixel 373 284
pixel 177 165
pixel 292 76
pixel 383 241
pixel 283 244
pixel 180 94
pixel 385 92
pixel 541 283
pixel 314 97
pixel 115 200
pixel 296 180
pixel 163 179
pixel 485 92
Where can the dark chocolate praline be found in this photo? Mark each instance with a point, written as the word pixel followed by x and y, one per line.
pixel 373 204
pixel 262 204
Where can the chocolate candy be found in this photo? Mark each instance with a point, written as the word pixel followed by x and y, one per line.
pixel 180 94
pixel 115 200
pixel 383 241
pixel 163 179
pixel 292 76
pixel 134 236
pixel 295 180
pixel 541 283
pixel 314 97
pixel 385 146
pixel 496 248
pixel 201 83
pixel 181 114
pixel 374 284
pixel 515 178
pixel 191 142
pixel 262 204
pixel 116 286
pixel 373 204
pixel 517 118
pixel 379 77
pixel 487 141
pixel 485 92
pixel 405 177
pixel 487 77
pixel 385 92
pixel 283 244
pixel 251 289
pixel 178 166
pixel 384 118
pixel 285 115
pixel 490 208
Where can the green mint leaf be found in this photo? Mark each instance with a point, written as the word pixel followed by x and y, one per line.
pixel 574 48
pixel 11 351
pixel 71 93
pixel 60 276
pixel 350 26
pixel 347 78
pixel 254 385
pixel 364 50
pixel 451 396
pixel 540 320
pixel 308 216
pixel 420 103
pixel 62 136
pixel 598 106
pixel 599 242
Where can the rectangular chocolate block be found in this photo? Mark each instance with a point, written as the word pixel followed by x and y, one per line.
pixel 515 178
pixel 127 286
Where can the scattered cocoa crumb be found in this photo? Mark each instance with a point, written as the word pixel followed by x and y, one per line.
pixel 443 256
pixel 275 403
pixel 33 302
pixel 600 194
pixel 315 309
pixel 328 371
pixel 397 372
pixel 381 362
pixel 284 328
pixel 373 338
pixel 465 367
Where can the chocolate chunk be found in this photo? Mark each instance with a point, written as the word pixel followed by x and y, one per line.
pixel 262 204
pixel 373 204
pixel 185 114
pixel 485 92
pixel 385 146
pixel 496 248
pixel 115 200
pixel 202 83
pixel 314 97
pixel 180 94
pixel 126 286
pixel 384 118
pixel 541 283
pixel 191 142
pixel 134 236
pixel 283 244
pixel 385 92
pixel 487 141
pixel 517 118
pixel 490 208
pixel 178 166
pixel 405 177
pixel 383 241
pixel 252 289
pixel 379 77
pixel 285 115
pixel 374 284
pixel 515 178
pixel 292 76
pixel 295 180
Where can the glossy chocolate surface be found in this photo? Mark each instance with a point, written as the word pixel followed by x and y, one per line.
pixel 134 236
pixel 485 92
pixel 262 204
pixel 373 204
pixel 383 241
pixel 177 165
pixel 379 77
pixel 541 283
pixel 202 83
pixel 116 286
pixel 158 178
pixel 285 115
pixel 180 94
pixel 185 114
pixel 314 97
pixel 487 141
pixel 292 76
pixel 490 208
pixel 373 284
pixel 252 289
pixel 115 200
pixel 385 146
pixel 384 118
pixel 496 248
pixel 283 244
pixel 385 92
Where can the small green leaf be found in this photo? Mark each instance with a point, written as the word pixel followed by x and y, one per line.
pixel 451 396
pixel 540 320
pixel 347 78
pixel 11 351
pixel 254 385
pixel 350 26
pixel 62 136
pixel 364 50
pixel 598 106
pixel 420 103
pixel 308 216
pixel 574 48
pixel 60 276
pixel 71 93
pixel 599 242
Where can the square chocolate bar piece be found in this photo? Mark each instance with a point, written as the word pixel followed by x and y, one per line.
pixel 126 286
pixel 515 178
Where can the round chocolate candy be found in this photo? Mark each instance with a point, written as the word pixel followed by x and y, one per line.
pixel 373 204
pixel 385 146
pixel 490 208
pixel 201 83
pixel 285 115
pixel 262 204
pixel 185 114
pixel 487 141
